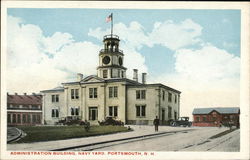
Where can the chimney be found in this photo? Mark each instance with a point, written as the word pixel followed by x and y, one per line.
pixel 135 77
pixel 16 94
pixel 143 78
pixel 79 76
pixel 25 94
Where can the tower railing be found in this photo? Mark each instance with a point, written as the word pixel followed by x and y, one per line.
pixel 110 50
pixel 110 36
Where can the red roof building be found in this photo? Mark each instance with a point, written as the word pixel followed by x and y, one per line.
pixel 24 109
pixel 215 117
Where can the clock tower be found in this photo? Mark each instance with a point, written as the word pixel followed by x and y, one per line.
pixel 111 59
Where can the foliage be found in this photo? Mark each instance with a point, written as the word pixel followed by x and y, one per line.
pixel 111 121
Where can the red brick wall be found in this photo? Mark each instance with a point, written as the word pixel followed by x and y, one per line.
pixel 214 119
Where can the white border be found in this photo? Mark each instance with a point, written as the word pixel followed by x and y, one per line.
pixel 245 70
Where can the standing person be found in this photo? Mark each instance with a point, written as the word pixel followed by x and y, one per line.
pixel 156 123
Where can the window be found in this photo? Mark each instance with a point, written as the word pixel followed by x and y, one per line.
pixel 9 118
pixel 55 98
pixel 197 119
pixel 140 110
pixel 29 118
pixel 113 92
pixel 122 74
pixel 175 98
pixel 113 111
pixel 204 119
pixel 141 94
pixel 34 107
pixel 18 118
pixel 231 117
pixel 169 97
pixel 25 106
pixel 54 113
pixel 163 95
pixel 119 73
pixel 24 118
pixel 105 73
pixel 74 93
pixel 92 92
pixel 33 118
pixel 74 111
pixel 14 118
pixel 38 118
pixel 214 118
pixel 169 112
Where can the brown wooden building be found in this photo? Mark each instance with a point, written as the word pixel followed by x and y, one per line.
pixel 211 117
pixel 24 109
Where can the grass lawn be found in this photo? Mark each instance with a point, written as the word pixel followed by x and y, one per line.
pixel 48 133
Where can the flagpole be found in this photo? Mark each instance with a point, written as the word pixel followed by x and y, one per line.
pixel 111 24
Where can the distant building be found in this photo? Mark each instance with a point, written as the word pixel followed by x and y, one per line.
pixel 111 94
pixel 24 109
pixel 215 116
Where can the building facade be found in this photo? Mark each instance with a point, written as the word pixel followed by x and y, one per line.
pixel 110 93
pixel 24 109
pixel 214 117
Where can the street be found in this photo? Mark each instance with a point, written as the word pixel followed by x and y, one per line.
pixel 144 138
pixel 191 140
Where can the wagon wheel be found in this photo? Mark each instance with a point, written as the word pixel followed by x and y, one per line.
pixel 173 124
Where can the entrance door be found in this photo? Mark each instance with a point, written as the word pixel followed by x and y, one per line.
pixel 93 113
pixel 163 114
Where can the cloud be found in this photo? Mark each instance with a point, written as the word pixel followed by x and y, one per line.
pixel 36 62
pixel 168 34
pixel 133 36
pixel 29 69
pixel 54 44
pixel 196 68
pixel 207 64
pixel 207 76
pixel 176 35
pixel 78 57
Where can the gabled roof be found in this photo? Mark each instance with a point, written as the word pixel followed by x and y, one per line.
pixel 92 78
pixel 221 110
pixel 24 99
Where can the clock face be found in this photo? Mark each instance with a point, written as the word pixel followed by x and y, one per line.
pixel 120 61
pixel 106 60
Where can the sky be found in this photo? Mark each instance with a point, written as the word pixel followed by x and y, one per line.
pixel 194 51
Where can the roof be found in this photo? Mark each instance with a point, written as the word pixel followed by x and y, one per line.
pixel 24 99
pixel 95 79
pixel 157 85
pixel 59 88
pixel 222 110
